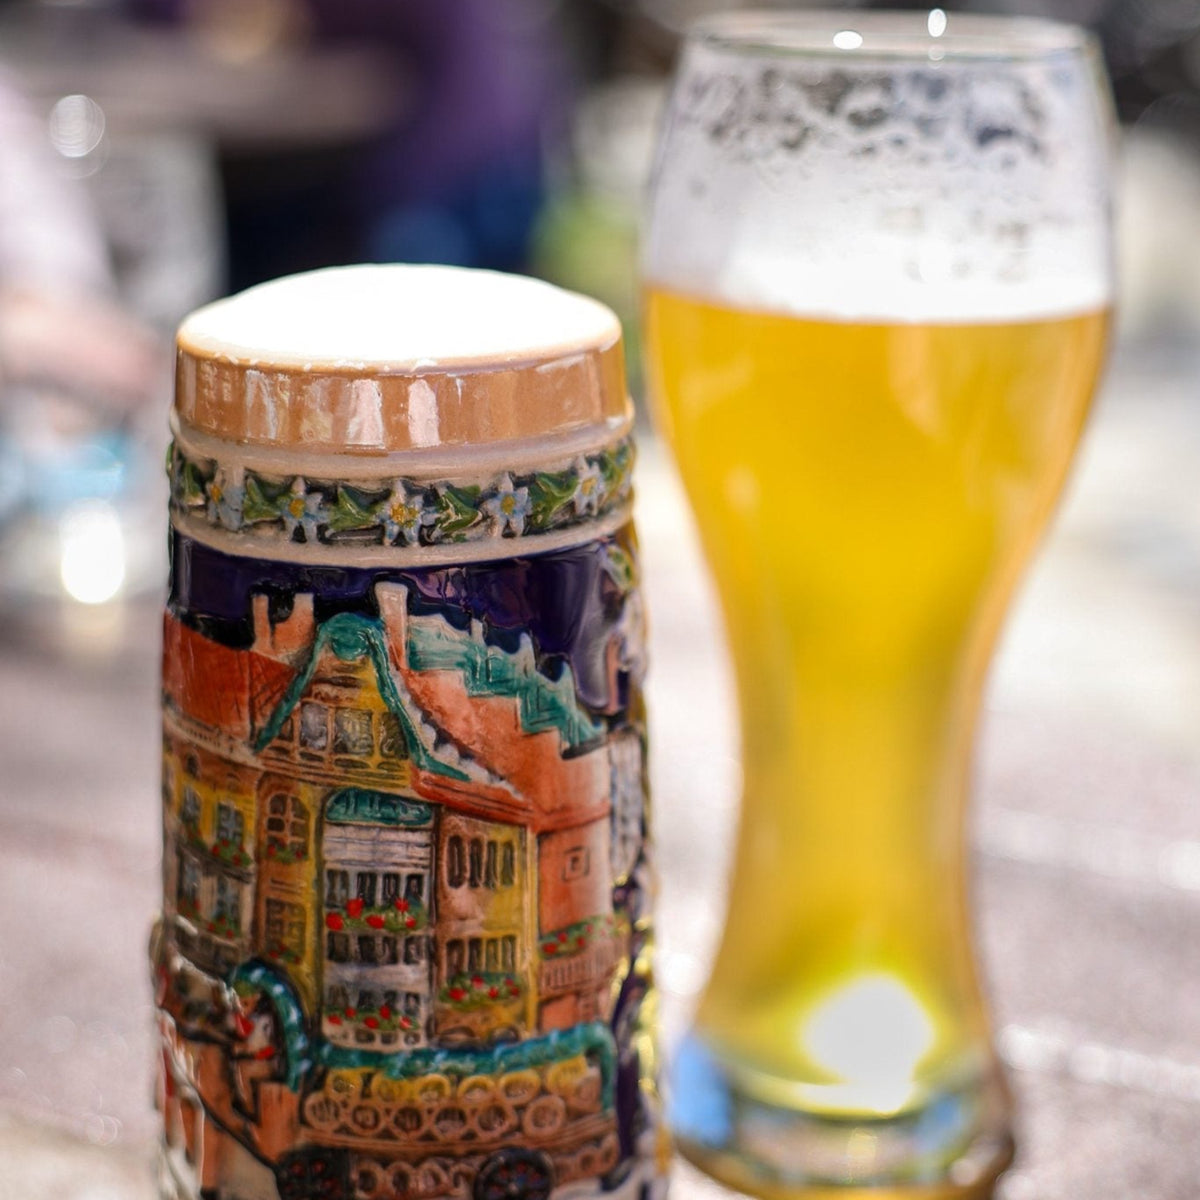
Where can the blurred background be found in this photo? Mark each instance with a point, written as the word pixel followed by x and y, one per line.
pixel 155 154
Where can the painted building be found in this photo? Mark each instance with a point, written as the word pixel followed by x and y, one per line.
pixel 435 822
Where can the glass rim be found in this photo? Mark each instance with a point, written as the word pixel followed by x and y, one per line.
pixel 915 35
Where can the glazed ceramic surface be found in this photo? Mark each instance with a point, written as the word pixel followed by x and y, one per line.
pixel 405 937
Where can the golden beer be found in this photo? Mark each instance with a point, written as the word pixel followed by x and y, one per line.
pixel 878 272
pixel 867 494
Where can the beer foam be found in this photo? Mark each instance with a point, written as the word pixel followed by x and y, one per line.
pixel 919 187
pixel 766 286
pixel 400 318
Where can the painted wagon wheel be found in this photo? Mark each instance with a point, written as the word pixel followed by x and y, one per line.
pixel 514 1175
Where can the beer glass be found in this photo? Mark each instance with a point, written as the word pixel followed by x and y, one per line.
pixel 878 277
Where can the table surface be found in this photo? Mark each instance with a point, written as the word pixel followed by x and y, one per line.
pixel 1087 837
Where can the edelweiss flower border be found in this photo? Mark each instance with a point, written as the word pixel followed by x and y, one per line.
pixel 403 512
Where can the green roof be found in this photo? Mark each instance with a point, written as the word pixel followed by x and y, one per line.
pixel 358 806
pixel 351 638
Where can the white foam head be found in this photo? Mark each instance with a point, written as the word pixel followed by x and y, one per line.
pixel 399 318
pixel 914 178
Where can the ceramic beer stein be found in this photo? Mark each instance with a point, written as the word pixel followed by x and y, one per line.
pixel 405 938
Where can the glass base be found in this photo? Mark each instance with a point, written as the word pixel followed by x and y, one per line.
pixel 952 1147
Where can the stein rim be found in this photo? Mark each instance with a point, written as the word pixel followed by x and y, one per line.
pixel 912 36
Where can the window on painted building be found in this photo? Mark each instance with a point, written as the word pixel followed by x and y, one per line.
pixel 391 737
pixel 314 726
pixel 389 950
pixel 455 960
pixel 287 825
pixel 352 732
pixel 287 731
pixel 489 865
pixel 189 884
pixel 230 824
pixel 412 1004
pixel 337 947
pixel 508 954
pixel 391 888
pixel 285 926
pixel 456 866
pixel 337 996
pixel 368 1000
pixel 227 907
pixel 475 954
pixel 365 885
pixel 414 950
pixel 491 955
pixel 189 812
pixel 508 864
pixel 191 765
pixel 576 863
pixel 476 862
pixel 414 889
pixel 337 889
pixel 368 949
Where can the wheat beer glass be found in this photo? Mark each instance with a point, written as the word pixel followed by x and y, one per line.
pixel 877 277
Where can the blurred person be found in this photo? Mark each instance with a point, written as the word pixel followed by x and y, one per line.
pixel 62 332
pixel 459 174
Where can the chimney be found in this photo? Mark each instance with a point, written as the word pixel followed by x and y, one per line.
pixel 295 635
pixel 289 637
pixel 260 606
pixel 392 599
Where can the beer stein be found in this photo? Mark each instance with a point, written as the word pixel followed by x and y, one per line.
pixel 405 934
pixel 877 273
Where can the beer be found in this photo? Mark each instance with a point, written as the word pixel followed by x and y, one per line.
pixel 867 493
pixel 878 267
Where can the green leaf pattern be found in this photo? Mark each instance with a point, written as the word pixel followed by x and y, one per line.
pixel 404 512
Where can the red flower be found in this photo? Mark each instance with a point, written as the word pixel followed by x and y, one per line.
pixel 354 907
pixel 405 1023
pixel 581 941
pixel 562 937
pixel 456 993
pixel 212 927
pixel 550 948
pixel 334 1019
pixel 273 952
pixel 375 921
pixel 351 1013
pixel 371 1023
pixel 334 921
pixel 223 842
pixel 410 922
pixel 588 927
pixel 477 981
pixel 401 904
pixel 386 1012
pixel 493 993
pixel 509 980
pixel 270 849
pixel 513 989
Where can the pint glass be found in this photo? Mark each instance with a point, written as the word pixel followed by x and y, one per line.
pixel 877 278
pixel 405 930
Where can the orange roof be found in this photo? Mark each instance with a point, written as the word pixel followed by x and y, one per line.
pixel 219 686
